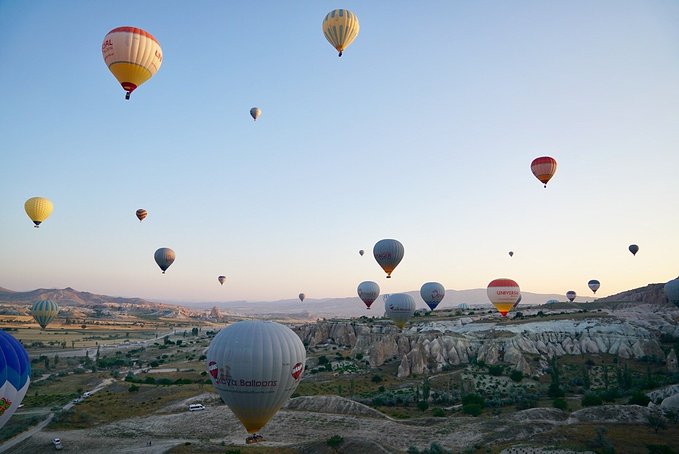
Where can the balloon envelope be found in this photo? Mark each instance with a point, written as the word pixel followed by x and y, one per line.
pixel 503 293
pixel 15 373
pixel 571 295
pixel 543 168
pixel 255 112
pixel 340 28
pixel 132 55
pixel 301 297
pixel 38 209
pixel 432 293
pixel 511 253
pixel 361 252
pixel 255 366
pixel 388 254
pixel 141 214
pixel 633 248
pixel 517 301
pixel 368 291
pixel 44 311
pixel 221 279
pixel 672 291
pixel 594 285
pixel 399 307
pixel 164 258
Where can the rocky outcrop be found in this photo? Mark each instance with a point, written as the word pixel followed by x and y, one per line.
pixel 431 347
pixel 332 404
pixel 671 361
pixel 614 414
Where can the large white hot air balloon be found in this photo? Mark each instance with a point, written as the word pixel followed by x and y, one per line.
pixel 399 307
pixel 368 291
pixel 255 366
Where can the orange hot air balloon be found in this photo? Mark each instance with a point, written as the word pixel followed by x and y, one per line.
pixel 132 55
pixel 503 293
pixel 543 168
pixel 141 214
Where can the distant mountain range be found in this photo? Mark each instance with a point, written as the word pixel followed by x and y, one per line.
pixel 311 308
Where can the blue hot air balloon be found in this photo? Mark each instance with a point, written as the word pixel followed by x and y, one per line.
pixel 672 291
pixel 432 293
pixel 15 373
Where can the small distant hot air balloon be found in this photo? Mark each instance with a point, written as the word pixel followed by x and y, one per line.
pixel 361 252
pixel 633 248
pixel 255 367
pixel 543 168
pixel 164 258
pixel 671 290
pixel 340 28
pixel 255 112
pixel 432 293
pixel 399 307
pixel 132 55
pixel 503 293
pixel 594 285
pixel 517 301
pixel 221 279
pixel 38 209
pixel 571 295
pixel 15 375
pixel 388 254
pixel 301 297
pixel 511 253
pixel 141 214
pixel 44 311
pixel 368 291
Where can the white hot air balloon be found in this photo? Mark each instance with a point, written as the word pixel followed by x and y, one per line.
pixel 255 366
pixel 388 254
pixel 368 291
pixel 399 307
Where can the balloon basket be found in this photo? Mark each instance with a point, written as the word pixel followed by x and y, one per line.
pixel 255 438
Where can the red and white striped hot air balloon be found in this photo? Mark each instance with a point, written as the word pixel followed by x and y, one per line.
pixel 503 293
pixel 543 168
pixel 132 55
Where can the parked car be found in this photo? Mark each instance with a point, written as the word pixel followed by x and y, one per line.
pixel 57 444
pixel 196 407
pixel 86 394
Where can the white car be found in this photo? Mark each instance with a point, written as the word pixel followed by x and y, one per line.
pixel 57 444
pixel 196 407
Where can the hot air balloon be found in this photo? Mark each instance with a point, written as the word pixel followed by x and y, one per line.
pixel 633 248
pixel 141 214
pixel 543 168
pixel 368 291
pixel 511 253
pixel 432 293
pixel 672 291
pixel 38 209
pixel 518 300
pixel 255 366
pixel 340 28
pixel 361 252
pixel 399 307
pixel 132 55
pixel 594 285
pixel 164 258
pixel 15 375
pixel 503 293
pixel 221 279
pixel 255 112
pixel 301 297
pixel 571 295
pixel 388 254
pixel 44 311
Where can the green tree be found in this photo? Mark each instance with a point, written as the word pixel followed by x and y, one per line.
pixel 425 389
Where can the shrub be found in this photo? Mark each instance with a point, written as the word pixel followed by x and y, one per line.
pixel 334 441
pixel 472 409
pixel 133 388
pixel 376 379
pixel 516 376
pixel 322 360
pixel 639 398
pixel 560 403
pixel 422 405
pixel 591 399
pixel 438 412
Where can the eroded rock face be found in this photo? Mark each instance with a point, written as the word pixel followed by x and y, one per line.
pixel 430 347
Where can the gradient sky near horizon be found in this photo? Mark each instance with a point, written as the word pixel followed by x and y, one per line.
pixel 423 131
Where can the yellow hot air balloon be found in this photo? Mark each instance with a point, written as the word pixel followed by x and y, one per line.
pixel 38 209
pixel 340 28
pixel 132 55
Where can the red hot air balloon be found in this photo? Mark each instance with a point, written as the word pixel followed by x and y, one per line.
pixel 503 293
pixel 543 168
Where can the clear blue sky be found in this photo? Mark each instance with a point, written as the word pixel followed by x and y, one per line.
pixel 423 131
